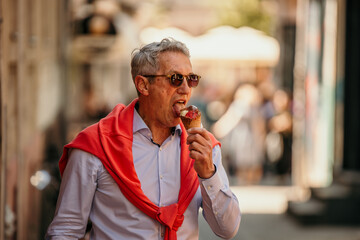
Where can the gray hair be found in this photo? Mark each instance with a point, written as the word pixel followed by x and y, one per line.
pixel 145 60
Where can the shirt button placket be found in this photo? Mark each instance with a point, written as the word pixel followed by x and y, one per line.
pixel 161 235
pixel 160 182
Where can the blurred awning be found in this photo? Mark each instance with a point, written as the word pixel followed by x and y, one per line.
pixel 243 45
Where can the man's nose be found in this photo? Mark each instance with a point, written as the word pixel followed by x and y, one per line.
pixel 184 87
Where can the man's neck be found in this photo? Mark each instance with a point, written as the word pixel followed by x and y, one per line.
pixel 159 132
pixel 159 138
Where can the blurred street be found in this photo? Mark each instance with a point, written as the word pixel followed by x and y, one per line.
pixel 272 226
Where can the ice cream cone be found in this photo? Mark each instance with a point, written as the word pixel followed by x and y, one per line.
pixel 190 117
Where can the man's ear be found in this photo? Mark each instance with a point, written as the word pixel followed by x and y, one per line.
pixel 142 85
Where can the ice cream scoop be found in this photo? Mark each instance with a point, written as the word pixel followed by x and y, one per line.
pixel 190 117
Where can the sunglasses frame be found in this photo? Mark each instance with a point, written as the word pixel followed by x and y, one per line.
pixel 172 79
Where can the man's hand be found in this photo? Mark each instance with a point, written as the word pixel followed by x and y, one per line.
pixel 200 147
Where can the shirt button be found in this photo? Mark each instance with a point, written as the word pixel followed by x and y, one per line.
pixel 161 177
pixel 209 187
pixel 160 148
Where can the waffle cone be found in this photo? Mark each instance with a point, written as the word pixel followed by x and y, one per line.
pixel 190 123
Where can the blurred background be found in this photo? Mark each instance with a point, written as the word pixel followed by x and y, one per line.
pixel 279 89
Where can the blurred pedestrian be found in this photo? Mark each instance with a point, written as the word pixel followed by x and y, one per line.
pixel 279 138
pixel 137 173
pixel 242 130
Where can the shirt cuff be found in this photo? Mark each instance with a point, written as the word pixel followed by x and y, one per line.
pixel 213 184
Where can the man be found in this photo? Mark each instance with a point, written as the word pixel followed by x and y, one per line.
pixel 138 174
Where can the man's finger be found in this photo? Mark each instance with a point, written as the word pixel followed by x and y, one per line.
pixel 202 131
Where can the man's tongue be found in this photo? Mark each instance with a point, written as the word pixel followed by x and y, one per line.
pixel 176 108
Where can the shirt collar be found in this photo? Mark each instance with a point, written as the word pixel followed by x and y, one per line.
pixel 138 122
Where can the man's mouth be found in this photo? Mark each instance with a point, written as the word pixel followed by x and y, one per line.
pixel 177 107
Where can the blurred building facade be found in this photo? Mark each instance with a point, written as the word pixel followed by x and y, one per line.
pixel 33 35
pixel 326 155
pixel 64 64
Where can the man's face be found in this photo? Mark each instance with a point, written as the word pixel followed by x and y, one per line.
pixel 167 100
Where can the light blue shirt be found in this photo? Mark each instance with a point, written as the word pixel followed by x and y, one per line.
pixel 89 192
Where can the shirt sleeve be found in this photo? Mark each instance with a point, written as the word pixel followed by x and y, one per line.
pixel 220 206
pixel 74 202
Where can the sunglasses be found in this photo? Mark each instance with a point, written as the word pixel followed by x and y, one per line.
pixel 177 79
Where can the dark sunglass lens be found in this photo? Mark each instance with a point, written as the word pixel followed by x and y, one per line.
pixel 193 83
pixel 194 77
pixel 177 79
pixel 193 80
